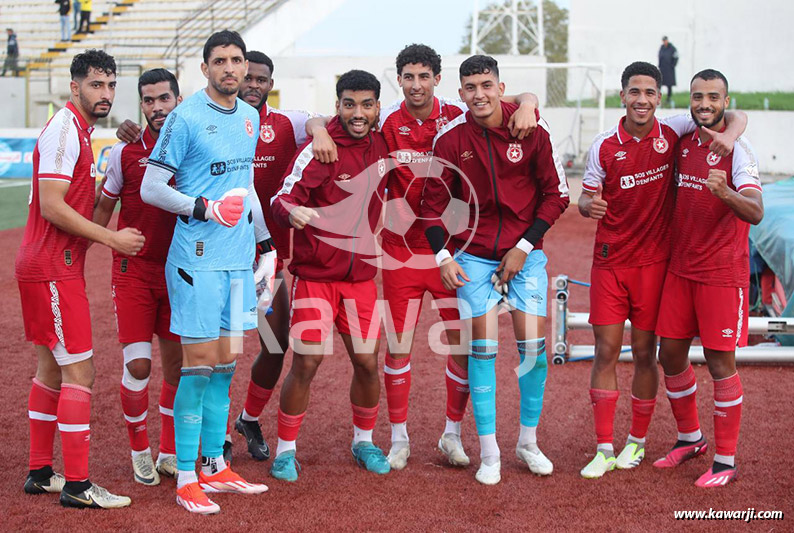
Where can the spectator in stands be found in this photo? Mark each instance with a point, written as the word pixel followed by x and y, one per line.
pixel 66 28
pixel 668 59
pixel 76 10
pixel 85 16
pixel 12 53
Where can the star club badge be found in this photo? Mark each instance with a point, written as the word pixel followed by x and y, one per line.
pixel 381 167
pixel 712 159
pixel 514 152
pixel 660 145
pixel 441 122
pixel 249 127
pixel 267 133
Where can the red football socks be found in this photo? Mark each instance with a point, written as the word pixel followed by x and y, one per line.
pixel 43 415
pixel 641 413
pixel 727 414
pixel 74 417
pixel 457 379
pixel 604 403
pixel 135 406
pixel 397 377
pixel 681 390
pixel 167 394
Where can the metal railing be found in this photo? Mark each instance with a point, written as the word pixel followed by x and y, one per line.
pixel 212 16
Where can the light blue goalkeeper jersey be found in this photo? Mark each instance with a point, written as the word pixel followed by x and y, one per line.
pixel 210 149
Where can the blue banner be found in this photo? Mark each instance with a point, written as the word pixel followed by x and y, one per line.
pixel 16 157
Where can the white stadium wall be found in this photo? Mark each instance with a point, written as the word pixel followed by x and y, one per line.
pixel 750 42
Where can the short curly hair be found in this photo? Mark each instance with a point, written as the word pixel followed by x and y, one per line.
pixel 641 68
pixel 479 64
pixel 92 59
pixel 421 54
pixel 357 80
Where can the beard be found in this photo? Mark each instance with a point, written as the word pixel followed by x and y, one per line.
pixel 262 98
pixel 150 121
pixel 226 89
pixel 92 107
pixel 715 121
pixel 346 126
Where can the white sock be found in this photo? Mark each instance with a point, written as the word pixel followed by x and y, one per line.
pixel 690 437
pixel 729 460
pixel 399 432
pixel 452 427
pixel 228 437
pixel 632 438
pixel 247 417
pixel 213 466
pixel 186 477
pixel 137 453
pixel 284 446
pixel 527 435
pixel 363 435
pixel 606 448
pixel 489 449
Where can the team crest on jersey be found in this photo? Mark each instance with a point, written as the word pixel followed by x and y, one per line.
pixel 93 170
pixel 249 127
pixel 441 122
pixel 404 156
pixel 381 167
pixel 514 152
pixel 267 133
pixel 660 145
pixel 712 159
pixel 404 130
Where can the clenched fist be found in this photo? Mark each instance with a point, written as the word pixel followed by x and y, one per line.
pixel 717 182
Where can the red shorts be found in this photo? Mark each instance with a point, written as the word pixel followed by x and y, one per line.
pixel 316 306
pixel 627 293
pixel 142 311
pixel 56 315
pixel 404 288
pixel 718 315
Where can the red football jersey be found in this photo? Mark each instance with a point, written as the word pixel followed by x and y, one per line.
pixel 126 167
pixel 280 135
pixel 637 179
pixel 412 140
pixel 710 243
pixel 63 152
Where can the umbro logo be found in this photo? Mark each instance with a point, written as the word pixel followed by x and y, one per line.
pixel 212 128
pixel 684 152
pixel 343 177
pixel 620 156
pixel 404 130
pixel 727 332
pixel 191 419
pixel 142 161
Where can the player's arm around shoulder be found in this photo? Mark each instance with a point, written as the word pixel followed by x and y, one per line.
pixel 550 173
pixel 323 146
pixel 109 189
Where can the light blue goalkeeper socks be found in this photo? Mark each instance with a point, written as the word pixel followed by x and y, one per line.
pixel 482 383
pixel 216 410
pixel 188 414
pixel 531 373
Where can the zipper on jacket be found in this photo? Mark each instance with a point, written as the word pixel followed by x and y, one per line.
pixel 355 228
pixel 495 193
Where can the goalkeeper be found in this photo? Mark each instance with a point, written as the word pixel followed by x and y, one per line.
pixel 208 144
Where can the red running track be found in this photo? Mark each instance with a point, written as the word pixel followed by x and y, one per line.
pixel 333 494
